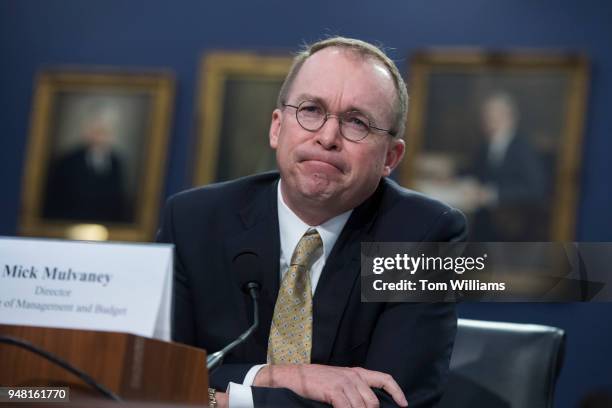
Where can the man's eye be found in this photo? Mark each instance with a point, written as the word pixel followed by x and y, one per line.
pixel 311 109
pixel 356 121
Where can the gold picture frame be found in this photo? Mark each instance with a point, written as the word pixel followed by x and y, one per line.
pixel 237 95
pixel 452 126
pixel 96 154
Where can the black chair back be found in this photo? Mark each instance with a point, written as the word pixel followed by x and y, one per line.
pixel 504 365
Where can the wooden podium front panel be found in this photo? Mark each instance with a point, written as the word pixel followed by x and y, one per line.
pixel 133 367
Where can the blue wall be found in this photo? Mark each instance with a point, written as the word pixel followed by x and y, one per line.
pixel 145 33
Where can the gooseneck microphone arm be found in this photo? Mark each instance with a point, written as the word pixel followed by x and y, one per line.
pixel 216 358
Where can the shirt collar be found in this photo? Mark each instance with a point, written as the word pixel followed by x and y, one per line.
pixel 292 228
pixel 500 143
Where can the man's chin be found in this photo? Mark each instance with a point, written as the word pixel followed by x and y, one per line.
pixel 318 189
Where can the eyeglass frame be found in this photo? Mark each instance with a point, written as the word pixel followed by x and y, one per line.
pixel 340 117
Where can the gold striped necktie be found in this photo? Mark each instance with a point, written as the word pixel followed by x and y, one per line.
pixel 290 338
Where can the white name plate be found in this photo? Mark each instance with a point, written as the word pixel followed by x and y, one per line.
pixel 86 285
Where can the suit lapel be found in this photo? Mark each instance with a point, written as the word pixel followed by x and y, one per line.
pixel 260 235
pixel 340 277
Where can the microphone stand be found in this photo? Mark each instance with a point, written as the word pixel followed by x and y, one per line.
pixel 215 359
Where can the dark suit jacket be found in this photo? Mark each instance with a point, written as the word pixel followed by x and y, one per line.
pixel 75 191
pixel 519 177
pixel 521 184
pixel 211 225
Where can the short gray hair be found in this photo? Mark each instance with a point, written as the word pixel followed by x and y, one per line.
pixel 363 49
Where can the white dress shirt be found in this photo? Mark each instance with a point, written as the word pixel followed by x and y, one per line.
pixel 291 228
pixel 498 146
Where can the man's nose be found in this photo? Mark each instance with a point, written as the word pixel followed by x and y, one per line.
pixel 329 135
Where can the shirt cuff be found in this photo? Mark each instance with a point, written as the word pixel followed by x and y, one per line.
pixel 241 395
pixel 250 375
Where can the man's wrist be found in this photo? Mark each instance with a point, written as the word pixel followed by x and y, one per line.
pixel 275 375
pixel 222 400
pixel 251 374
pixel 268 375
pixel 262 378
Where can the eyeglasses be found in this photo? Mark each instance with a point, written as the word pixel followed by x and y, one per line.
pixel 354 125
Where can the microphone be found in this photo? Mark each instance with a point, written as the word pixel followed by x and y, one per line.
pixel 248 268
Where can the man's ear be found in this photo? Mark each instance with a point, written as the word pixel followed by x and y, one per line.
pixel 275 127
pixel 395 153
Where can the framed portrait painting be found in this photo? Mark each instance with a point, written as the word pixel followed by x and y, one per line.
pixel 498 135
pixel 96 154
pixel 238 92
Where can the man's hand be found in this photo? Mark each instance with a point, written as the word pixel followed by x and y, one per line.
pixel 338 386
pixel 222 399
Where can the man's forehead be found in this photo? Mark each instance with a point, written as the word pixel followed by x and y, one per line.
pixel 333 56
pixel 361 80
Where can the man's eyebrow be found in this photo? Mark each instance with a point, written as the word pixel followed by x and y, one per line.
pixel 308 97
pixel 352 108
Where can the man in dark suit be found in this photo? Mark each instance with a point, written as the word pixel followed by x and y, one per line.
pixel 511 180
pixel 337 135
pixel 87 183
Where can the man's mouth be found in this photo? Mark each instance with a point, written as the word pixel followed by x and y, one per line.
pixel 322 165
